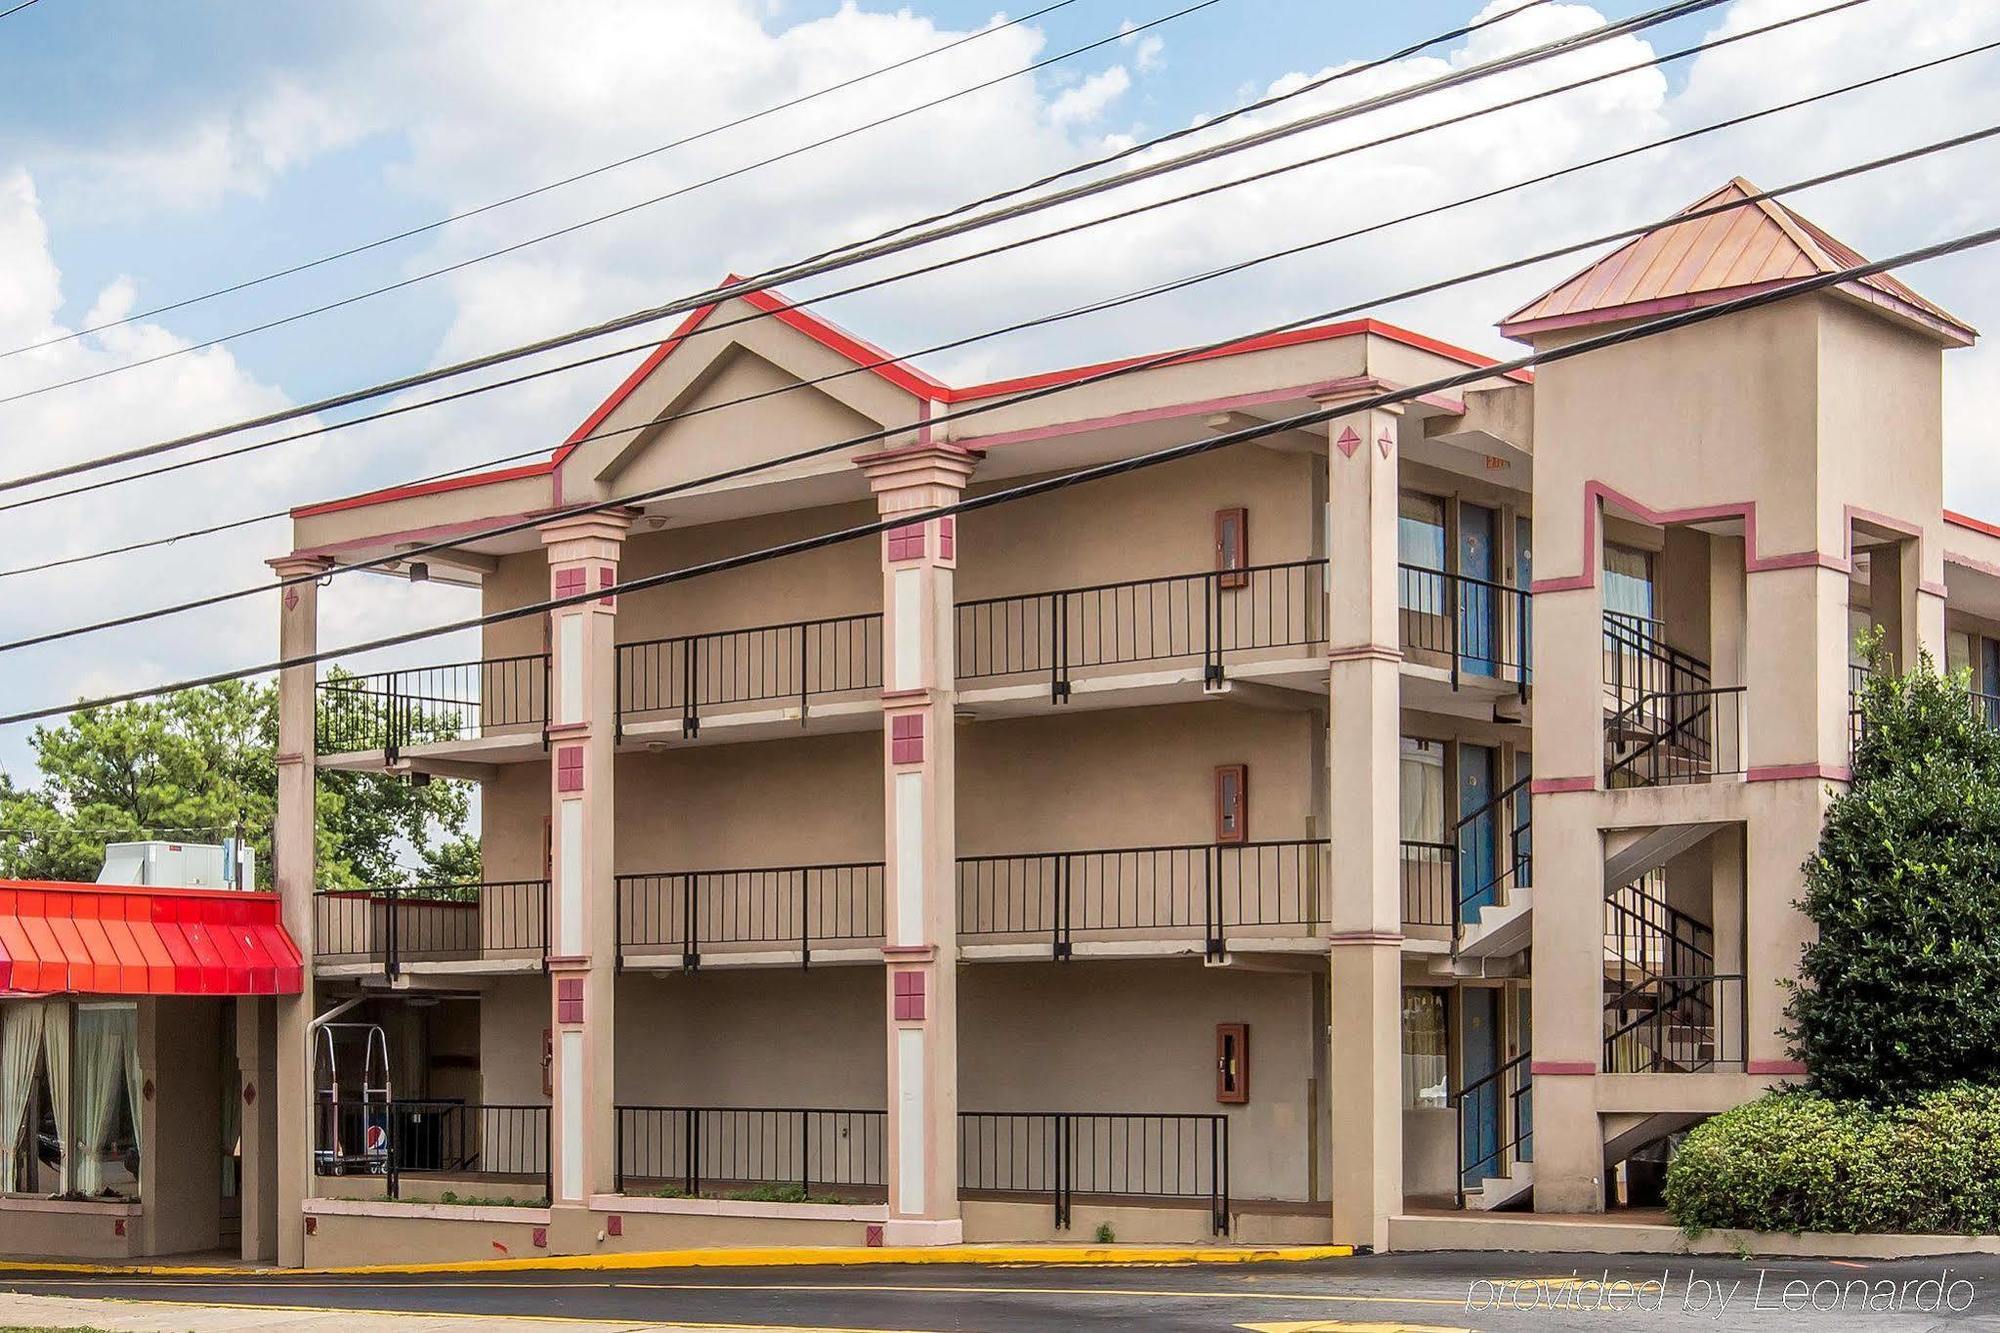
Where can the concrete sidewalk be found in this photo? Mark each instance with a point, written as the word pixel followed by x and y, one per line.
pixel 63 1312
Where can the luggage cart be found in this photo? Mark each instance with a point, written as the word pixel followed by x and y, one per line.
pixel 353 1134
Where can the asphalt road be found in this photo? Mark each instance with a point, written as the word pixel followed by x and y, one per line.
pixel 1378 1293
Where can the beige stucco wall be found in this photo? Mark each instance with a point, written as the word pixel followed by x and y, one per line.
pixel 1098 1036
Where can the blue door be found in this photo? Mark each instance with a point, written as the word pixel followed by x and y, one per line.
pixel 1479 1056
pixel 1478 840
pixel 1477 640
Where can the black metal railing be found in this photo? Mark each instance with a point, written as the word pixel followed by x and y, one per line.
pixel 1496 1123
pixel 1064 1154
pixel 1858 676
pixel 1204 889
pixel 1205 617
pixel 789 663
pixel 396 925
pixel 1645 937
pixel 1495 854
pixel 474 1141
pixel 1638 661
pixel 1986 707
pixel 1665 739
pixel 1474 627
pixel 787 1152
pixel 1676 1025
pixel 1430 883
pixel 390 710
pixel 792 906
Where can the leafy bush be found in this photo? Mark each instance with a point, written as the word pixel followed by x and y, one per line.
pixel 1800 1161
pixel 1900 991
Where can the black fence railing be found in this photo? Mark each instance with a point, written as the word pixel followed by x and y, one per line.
pixel 790 906
pixel 1201 890
pixel 1646 937
pixel 1858 676
pixel 475 1142
pixel 390 710
pixel 1665 739
pixel 1430 883
pixel 396 925
pixel 789 663
pixel 1111 1156
pixel 1205 617
pixel 1638 661
pixel 1472 627
pixel 1677 1025
pixel 1496 1123
pixel 792 1152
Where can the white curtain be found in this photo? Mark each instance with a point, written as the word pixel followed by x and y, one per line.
pixel 1422 773
pixel 55 1047
pixel 20 1043
pixel 103 1034
pixel 135 1084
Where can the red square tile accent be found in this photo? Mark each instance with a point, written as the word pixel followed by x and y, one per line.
pixel 569 768
pixel 947 537
pixel 614 1225
pixel 312 1226
pixel 909 997
pixel 606 576
pixel 906 739
pixel 569 582
pixel 873 1232
pixel 541 1238
pixel 906 542
pixel 569 1000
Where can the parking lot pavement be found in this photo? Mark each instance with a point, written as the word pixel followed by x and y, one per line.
pixel 1378 1293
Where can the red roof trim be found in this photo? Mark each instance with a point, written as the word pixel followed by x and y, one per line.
pixel 414 490
pixel 926 388
pixel 1971 524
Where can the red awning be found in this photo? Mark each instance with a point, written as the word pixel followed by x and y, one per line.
pixel 108 939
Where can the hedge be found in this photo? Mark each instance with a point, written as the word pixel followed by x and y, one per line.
pixel 1797 1160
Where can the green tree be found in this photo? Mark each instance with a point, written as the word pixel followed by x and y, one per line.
pixel 1900 992
pixel 198 764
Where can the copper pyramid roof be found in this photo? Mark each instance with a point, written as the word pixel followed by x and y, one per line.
pixel 1705 260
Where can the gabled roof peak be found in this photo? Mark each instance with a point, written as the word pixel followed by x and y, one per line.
pixel 1696 261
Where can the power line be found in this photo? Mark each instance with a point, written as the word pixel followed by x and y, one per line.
pixel 731 174
pixel 1533 55
pixel 1074 311
pixel 1590 243
pixel 1128 368
pixel 1026 490
pixel 747 285
pixel 15 9
pixel 519 196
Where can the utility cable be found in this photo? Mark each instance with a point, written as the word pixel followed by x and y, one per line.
pixel 1462 201
pixel 1522 59
pixel 1166 358
pixel 1568 351
pixel 412 280
pixel 933 267
pixel 515 198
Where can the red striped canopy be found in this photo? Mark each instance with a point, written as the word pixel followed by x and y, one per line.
pixel 109 939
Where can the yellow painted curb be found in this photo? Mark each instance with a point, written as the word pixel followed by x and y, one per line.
pixel 763 1256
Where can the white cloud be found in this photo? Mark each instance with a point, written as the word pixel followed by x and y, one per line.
pixel 1092 98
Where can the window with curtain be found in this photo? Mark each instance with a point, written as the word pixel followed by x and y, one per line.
pixel 1424 1049
pixel 1420 544
pixel 1422 776
pixel 69 1099
pixel 1628 582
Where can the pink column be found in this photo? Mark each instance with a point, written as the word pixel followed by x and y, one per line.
pixel 582 911
pixel 293 869
pixel 920 779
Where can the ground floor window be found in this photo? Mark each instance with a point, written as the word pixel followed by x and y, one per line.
pixel 69 1099
pixel 1425 1062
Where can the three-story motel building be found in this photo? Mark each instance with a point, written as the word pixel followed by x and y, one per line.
pixel 1322 838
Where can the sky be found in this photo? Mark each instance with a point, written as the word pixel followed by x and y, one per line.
pixel 152 153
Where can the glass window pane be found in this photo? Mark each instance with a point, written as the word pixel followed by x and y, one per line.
pixel 1420 531
pixel 1628 581
pixel 1424 1063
